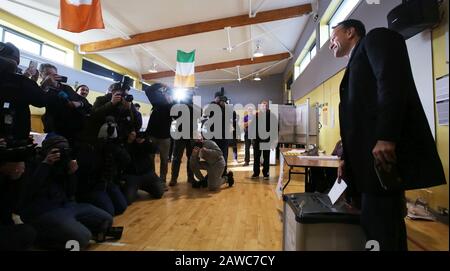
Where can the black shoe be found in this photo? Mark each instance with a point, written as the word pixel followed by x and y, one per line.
pixel 204 182
pixel 230 179
pixel 254 176
pixel 196 184
pixel 112 234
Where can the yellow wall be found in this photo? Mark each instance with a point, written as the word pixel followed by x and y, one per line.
pixel 22 26
pixel 328 92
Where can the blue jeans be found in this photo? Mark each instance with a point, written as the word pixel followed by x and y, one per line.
pixel 73 221
pixel 148 182
pixel 112 200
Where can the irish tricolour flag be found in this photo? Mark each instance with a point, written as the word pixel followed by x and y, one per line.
pixel 184 75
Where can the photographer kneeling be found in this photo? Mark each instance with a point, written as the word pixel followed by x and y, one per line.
pixel 213 163
pixel 51 209
pixel 12 236
pixel 140 174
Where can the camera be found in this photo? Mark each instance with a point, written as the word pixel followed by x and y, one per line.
pixel 62 79
pixel 61 167
pixel 127 97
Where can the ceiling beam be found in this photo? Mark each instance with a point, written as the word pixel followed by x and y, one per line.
pixel 195 28
pixel 221 65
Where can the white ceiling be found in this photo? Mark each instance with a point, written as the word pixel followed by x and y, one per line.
pixel 130 17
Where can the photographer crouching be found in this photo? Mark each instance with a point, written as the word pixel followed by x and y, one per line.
pixel 140 173
pixel 51 207
pixel 214 164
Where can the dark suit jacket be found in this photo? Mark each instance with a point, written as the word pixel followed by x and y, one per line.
pixel 379 101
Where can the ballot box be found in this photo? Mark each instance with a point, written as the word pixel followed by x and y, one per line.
pixel 312 223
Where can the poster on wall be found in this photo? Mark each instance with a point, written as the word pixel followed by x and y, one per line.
pixel 442 99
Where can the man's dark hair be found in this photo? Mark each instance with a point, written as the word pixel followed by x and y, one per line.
pixel 137 105
pixel 359 27
pixel 115 87
pixel 44 66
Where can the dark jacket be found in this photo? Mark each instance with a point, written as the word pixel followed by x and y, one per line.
pixel 140 157
pixel 160 120
pixel 379 101
pixel 47 191
pixel 126 118
pixel 20 92
pixel 62 118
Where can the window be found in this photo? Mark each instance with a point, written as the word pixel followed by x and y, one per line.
pixel 94 68
pixel 31 45
pixel 22 42
pixel 338 11
pixel 53 53
pixel 344 10
pixel 306 56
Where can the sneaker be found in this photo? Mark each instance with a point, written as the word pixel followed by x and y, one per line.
pixel 246 164
pixel 254 176
pixel 173 183
pixel 266 177
pixel 230 179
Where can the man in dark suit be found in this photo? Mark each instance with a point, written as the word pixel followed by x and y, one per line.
pixel 382 122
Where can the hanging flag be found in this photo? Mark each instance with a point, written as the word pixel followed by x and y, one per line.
pixel 80 15
pixel 184 75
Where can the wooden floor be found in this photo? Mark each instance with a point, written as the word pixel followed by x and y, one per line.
pixel 242 218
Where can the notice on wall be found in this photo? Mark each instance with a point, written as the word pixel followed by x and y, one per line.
pixel 442 99
pixel 331 117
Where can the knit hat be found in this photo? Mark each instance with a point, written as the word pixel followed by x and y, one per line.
pixel 8 50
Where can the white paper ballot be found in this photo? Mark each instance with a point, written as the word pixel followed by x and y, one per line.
pixel 337 190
